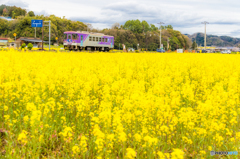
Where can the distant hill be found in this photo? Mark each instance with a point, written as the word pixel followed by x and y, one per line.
pixel 214 40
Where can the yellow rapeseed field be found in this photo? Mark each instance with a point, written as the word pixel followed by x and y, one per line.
pixel 118 105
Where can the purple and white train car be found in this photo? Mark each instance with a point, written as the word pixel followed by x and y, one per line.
pixel 88 41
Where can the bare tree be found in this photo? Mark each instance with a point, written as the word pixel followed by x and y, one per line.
pixel 89 26
pixel 115 26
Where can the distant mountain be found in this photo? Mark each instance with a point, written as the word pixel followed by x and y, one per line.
pixel 213 40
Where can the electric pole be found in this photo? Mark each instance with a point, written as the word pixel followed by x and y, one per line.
pixel 167 44
pixel 205 37
pixel 160 33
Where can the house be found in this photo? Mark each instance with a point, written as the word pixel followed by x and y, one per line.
pixel 6 18
pixel 37 42
pixel 3 42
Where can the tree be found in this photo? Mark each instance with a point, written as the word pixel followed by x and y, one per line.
pixel 169 27
pixel 23 46
pixel 30 46
pixel 194 45
pixel 1 8
pixel 115 26
pixel 153 27
pixel 145 26
pixel 31 14
pixel 5 12
pixel 133 25
pixel 13 14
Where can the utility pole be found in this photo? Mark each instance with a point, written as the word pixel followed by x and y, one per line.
pixel 160 33
pixel 167 44
pixel 49 25
pixel 205 37
pixel 42 36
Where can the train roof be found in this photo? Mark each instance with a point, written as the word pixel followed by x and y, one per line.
pixel 85 32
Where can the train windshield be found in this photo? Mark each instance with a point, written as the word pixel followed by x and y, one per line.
pixel 65 36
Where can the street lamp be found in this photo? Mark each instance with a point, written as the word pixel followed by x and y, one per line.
pixel 160 33
pixel 205 37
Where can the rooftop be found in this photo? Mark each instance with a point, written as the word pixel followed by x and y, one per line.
pixel 7 18
pixel 86 32
pixel 3 38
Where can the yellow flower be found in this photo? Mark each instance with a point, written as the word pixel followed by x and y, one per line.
pixel 137 137
pixel 210 148
pixel 6 117
pixel 130 153
pixel 177 154
pixel 75 150
pixel 40 138
pixel 5 108
pixel 83 144
pixel 26 118
pixel 160 155
pixel 30 107
pixel 22 138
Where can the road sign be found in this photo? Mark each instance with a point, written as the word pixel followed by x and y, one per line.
pixel 161 46
pixel 37 23
pixel 14 34
pixel 56 38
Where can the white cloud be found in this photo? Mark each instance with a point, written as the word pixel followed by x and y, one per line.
pixel 183 15
pixel 17 3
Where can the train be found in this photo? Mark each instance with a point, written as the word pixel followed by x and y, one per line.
pixel 83 40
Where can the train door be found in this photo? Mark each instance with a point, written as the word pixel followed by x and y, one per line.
pixel 69 38
pixel 81 40
pixel 111 42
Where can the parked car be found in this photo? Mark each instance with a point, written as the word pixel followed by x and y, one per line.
pixel 160 50
pixel 202 51
pixel 226 52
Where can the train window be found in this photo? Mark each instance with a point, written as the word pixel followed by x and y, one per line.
pixel 90 38
pixel 111 40
pixel 106 40
pixel 93 38
pixel 96 38
pixel 81 38
pixel 65 36
pixel 100 39
pixel 74 36
pixel 69 36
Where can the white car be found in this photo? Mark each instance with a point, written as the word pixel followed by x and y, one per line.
pixel 226 52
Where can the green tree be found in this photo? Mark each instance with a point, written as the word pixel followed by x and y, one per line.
pixel 194 45
pixel 153 27
pixel 13 14
pixel 31 14
pixel 30 46
pixel 23 46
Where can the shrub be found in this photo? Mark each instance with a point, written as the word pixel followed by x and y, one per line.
pixel 136 51
pixel 23 46
pixel 30 46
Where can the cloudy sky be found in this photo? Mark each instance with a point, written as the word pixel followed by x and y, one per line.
pixel 184 15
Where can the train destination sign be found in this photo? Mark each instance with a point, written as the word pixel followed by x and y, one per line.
pixel 37 23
